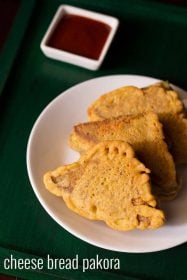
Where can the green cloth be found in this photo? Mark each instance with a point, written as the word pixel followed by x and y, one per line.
pixel 151 41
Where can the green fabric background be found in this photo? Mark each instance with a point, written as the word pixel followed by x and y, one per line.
pixel 152 41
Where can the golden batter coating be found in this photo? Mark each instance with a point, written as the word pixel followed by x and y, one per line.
pixel 144 133
pixel 109 184
pixel 131 100
pixel 159 98
pixel 174 121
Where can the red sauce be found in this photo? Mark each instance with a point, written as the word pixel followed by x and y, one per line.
pixel 80 35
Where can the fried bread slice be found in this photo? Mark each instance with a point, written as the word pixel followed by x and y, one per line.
pixel 130 100
pixel 175 128
pixel 158 98
pixel 144 133
pixel 175 122
pixel 109 184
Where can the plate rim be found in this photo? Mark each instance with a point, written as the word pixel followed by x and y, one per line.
pixel 42 200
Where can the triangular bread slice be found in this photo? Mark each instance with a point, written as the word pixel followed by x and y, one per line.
pixel 174 120
pixel 130 100
pixel 175 128
pixel 158 98
pixel 144 133
pixel 109 184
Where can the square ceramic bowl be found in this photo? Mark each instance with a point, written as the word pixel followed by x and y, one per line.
pixel 70 57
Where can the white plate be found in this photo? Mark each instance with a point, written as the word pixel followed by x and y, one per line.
pixel 48 148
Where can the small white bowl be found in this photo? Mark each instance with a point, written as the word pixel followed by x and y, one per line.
pixel 92 64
